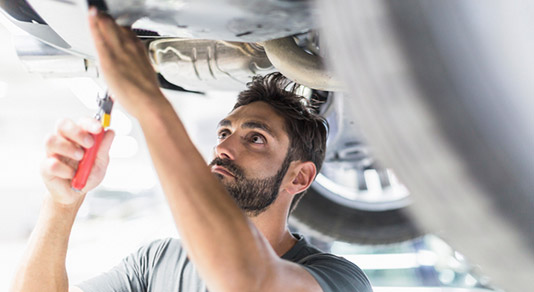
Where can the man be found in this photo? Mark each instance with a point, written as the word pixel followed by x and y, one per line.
pixel 269 150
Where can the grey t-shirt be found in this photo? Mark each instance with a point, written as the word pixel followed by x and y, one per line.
pixel 163 266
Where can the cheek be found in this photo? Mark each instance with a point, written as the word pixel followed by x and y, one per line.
pixel 263 167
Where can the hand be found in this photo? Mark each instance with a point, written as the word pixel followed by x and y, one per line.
pixel 124 63
pixel 64 150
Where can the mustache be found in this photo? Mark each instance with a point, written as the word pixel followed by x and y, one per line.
pixel 235 170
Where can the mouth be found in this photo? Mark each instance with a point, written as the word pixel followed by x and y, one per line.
pixel 221 170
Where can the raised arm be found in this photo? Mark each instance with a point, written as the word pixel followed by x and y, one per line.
pixel 226 248
pixel 43 264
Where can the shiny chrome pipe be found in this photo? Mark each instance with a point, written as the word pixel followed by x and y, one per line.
pixel 208 64
pixel 299 66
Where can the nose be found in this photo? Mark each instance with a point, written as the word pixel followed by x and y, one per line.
pixel 227 148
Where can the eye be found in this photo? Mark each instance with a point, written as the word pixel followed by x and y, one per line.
pixel 257 139
pixel 223 134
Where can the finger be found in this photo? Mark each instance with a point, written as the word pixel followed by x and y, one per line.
pixel 106 143
pixel 102 157
pixel 128 32
pixel 75 133
pixel 58 145
pixel 53 167
pixel 90 125
pixel 96 34
pixel 131 45
pixel 130 35
pixel 110 31
pixel 101 41
pixel 70 162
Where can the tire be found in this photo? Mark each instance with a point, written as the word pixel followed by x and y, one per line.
pixel 353 199
pixel 444 94
pixel 318 215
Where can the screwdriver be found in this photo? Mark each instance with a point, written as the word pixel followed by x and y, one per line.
pixel 86 164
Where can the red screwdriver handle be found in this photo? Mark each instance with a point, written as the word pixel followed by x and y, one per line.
pixel 86 164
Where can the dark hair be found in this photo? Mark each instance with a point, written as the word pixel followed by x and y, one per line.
pixel 306 129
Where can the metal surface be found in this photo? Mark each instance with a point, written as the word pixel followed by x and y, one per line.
pixel 200 64
pixel 50 62
pixel 37 29
pixel 207 64
pixel 229 20
pixel 299 66
pixel 69 19
pixel 362 189
pixel 350 175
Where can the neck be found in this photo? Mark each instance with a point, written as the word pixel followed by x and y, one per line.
pixel 274 228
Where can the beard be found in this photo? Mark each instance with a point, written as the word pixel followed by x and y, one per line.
pixel 252 195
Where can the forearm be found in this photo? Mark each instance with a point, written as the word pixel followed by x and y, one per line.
pixel 43 264
pixel 207 218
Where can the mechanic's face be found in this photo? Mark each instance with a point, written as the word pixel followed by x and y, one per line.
pixel 250 158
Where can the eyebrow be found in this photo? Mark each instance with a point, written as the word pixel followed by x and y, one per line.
pixel 249 125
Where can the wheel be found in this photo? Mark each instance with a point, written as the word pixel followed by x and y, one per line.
pixel 443 93
pixel 317 214
pixel 353 198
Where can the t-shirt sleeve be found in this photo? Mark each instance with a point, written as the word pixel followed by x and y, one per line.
pixel 130 275
pixel 336 274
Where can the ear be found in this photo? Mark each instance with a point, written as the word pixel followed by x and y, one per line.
pixel 305 175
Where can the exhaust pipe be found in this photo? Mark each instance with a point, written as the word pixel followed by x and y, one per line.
pixel 299 66
pixel 208 64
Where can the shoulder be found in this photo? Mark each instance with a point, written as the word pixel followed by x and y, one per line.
pixel 333 273
pixel 336 273
pixel 158 250
pixel 136 271
pixel 161 245
pixel 152 255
